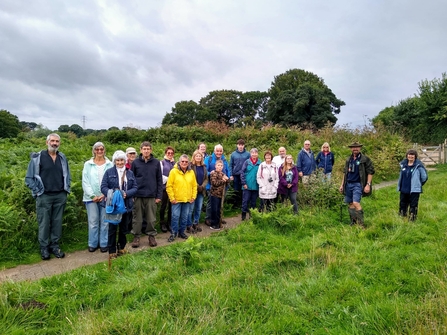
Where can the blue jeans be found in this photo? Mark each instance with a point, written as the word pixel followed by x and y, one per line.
pixel 292 197
pixel 98 230
pixel 196 209
pixel 180 212
pixel 249 198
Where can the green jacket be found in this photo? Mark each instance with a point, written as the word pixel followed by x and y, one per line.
pixel 366 167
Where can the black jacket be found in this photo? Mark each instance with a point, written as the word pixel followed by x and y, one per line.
pixel 149 177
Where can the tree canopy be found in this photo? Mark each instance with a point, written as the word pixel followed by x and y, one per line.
pixel 9 124
pixel 299 97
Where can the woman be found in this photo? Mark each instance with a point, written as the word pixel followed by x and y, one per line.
pixel 288 182
pixel 199 168
pixel 119 177
pixel 92 175
pixel 166 164
pixel 250 188
pixel 412 177
pixel 268 179
pixel 325 160
pixel 202 148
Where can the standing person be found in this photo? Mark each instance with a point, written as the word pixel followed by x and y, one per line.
pixel 92 174
pixel 166 164
pixel 218 181
pixel 119 177
pixel 288 182
pixel 325 160
pixel 267 178
pixel 48 177
pixel 131 154
pixel 237 160
pixel 412 177
pixel 202 148
pixel 182 191
pixel 210 162
pixel 279 160
pixel 147 171
pixel 199 168
pixel 305 163
pixel 249 183
pixel 357 178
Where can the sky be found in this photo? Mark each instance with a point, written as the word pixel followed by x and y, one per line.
pixel 104 63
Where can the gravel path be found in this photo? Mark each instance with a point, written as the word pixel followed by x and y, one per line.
pixel 81 258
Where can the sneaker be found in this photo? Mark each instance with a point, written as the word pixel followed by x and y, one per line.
pixel 104 249
pixel 214 228
pixel 45 254
pixel 183 235
pixel 152 241
pixel 91 249
pixel 58 253
pixel 136 242
pixel 171 238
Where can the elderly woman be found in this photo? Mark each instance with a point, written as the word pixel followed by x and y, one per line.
pixel 92 175
pixel 119 177
pixel 412 177
pixel 250 188
pixel 268 179
pixel 325 160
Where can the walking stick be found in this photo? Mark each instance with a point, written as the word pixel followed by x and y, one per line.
pixel 222 205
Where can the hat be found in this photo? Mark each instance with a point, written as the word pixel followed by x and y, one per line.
pixel 355 145
pixel 130 149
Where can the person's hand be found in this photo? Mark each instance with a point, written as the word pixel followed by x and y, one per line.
pixel 300 174
pixel 341 189
pixel 124 195
pixel 157 201
pixel 289 185
pixel 173 202
pixel 191 201
pixel 245 187
pixel 231 178
pixel 367 188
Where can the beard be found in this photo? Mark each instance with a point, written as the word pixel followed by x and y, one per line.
pixel 53 148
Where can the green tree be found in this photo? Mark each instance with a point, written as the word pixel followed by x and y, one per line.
pixel 299 97
pixel 186 113
pixel 9 124
pixel 77 129
pixel 63 128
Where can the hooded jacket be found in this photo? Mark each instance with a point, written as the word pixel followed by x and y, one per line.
pixel 249 173
pixel 268 179
pixel 33 180
pixel 237 160
pixel 181 186
pixel 419 175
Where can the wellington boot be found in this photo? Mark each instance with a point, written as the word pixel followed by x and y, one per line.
pixel 352 216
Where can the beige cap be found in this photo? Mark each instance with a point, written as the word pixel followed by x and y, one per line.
pixel 130 149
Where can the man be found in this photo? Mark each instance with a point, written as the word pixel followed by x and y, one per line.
pixel 48 177
pixel 182 191
pixel 210 162
pixel 147 172
pixel 279 160
pixel 237 159
pixel 131 154
pixel 305 163
pixel 357 178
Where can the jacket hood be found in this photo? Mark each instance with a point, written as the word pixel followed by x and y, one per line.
pixel 140 157
pixel 177 166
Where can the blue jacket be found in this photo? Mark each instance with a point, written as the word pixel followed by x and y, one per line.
pixel 325 162
pixel 210 163
pixel 33 180
pixel 110 181
pixel 237 160
pixel 249 174
pixel 419 175
pixel 305 162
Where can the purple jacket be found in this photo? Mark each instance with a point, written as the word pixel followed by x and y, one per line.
pixel 282 186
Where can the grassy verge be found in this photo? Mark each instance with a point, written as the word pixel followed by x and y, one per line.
pixel 275 274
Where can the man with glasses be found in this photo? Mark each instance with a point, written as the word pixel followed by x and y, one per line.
pixel 147 171
pixel 357 178
pixel 305 163
pixel 48 177
pixel 182 191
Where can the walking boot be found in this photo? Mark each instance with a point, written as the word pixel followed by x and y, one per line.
pixel 196 228
pixel 360 220
pixel 413 214
pixel 352 216
pixel 244 216
pixel 402 213
pixel 189 230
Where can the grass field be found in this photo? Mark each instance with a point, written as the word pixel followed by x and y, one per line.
pixel 274 274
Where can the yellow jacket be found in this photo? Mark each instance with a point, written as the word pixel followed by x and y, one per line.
pixel 181 186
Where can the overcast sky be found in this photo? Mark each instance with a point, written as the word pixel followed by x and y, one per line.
pixel 121 63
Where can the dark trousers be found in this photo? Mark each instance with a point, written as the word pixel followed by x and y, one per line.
pixel 215 203
pixel 122 229
pixel 165 203
pixel 50 210
pixel 409 200
pixel 236 198
pixel 267 205
pixel 292 197
pixel 249 198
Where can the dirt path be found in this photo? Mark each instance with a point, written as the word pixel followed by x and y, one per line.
pixel 77 259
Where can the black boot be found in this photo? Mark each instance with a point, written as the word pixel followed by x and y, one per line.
pixel 413 213
pixel 352 216
pixel 360 220
pixel 403 213
pixel 244 216
pixel 196 228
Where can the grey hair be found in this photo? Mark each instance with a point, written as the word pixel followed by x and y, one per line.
pixel 96 145
pixel 183 156
pixel 53 134
pixel 218 146
pixel 119 154
pixel 253 150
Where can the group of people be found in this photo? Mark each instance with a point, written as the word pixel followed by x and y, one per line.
pixel 180 188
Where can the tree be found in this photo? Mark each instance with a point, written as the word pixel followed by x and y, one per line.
pixel 63 128
pixel 299 97
pixel 9 124
pixel 28 126
pixel 187 113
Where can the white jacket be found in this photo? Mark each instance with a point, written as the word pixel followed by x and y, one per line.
pixel 268 180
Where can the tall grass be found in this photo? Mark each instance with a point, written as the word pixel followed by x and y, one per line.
pixel 275 274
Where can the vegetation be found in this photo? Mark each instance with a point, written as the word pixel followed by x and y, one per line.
pixel 422 118
pixel 275 274
pixel 9 124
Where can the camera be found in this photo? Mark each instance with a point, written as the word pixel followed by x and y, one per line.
pixel 270 179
